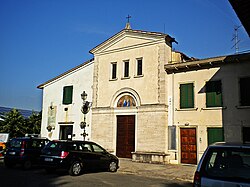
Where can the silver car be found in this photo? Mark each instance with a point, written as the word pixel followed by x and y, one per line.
pixel 224 165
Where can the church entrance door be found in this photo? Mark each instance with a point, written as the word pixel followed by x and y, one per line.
pixel 125 143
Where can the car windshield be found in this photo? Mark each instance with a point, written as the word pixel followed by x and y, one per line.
pixel 229 163
pixel 15 143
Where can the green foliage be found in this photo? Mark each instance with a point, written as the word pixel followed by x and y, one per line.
pixel 33 123
pixel 15 124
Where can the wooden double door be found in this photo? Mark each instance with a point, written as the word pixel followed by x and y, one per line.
pixel 125 143
pixel 188 146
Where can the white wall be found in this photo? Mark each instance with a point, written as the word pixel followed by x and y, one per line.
pixel 82 80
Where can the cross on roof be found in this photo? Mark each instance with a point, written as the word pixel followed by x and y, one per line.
pixel 128 17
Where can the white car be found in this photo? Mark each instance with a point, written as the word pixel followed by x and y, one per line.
pixel 224 165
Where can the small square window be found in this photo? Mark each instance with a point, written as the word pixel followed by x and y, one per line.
pixel 139 67
pixel 114 70
pixel 126 69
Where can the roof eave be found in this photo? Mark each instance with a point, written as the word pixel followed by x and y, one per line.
pixel 205 63
pixel 41 86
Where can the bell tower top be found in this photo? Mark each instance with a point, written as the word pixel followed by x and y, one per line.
pixel 128 24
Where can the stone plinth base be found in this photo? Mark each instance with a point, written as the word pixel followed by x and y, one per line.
pixel 150 157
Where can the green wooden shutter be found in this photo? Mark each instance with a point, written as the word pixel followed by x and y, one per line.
pixel 186 96
pixel 215 135
pixel 213 94
pixel 67 94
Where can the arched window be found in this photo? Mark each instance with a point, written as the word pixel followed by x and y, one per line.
pixel 126 101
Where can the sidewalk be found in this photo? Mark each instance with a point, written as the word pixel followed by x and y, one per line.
pixel 169 171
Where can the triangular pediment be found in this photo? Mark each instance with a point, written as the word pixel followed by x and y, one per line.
pixel 126 39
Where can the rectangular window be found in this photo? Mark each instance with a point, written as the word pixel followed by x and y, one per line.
pixel 245 91
pixel 187 95
pixel 67 94
pixel 246 134
pixel 213 94
pixel 114 70
pixel 126 69
pixel 139 67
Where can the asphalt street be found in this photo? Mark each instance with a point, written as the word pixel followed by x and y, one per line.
pixel 130 174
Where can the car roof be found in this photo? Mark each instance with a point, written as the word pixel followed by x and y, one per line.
pixel 72 141
pixel 29 138
pixel 231 144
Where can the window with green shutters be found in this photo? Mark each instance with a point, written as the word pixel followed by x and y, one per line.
pixel 213 94
pixel 215 135
pixel 67 95
pixel 187 95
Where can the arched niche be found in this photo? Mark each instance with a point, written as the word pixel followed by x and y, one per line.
pixel 125 97
pixel 126 101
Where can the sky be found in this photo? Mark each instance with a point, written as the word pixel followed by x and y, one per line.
pixel 41 39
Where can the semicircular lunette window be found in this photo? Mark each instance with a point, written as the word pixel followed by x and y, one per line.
pixel 126 101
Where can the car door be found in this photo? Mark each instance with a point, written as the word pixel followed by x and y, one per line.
pixel 101 155
pixel 87 155
pixel 34 150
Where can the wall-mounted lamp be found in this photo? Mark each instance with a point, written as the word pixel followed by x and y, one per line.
pixel 50 128
pixel 84 96
pixel 51 106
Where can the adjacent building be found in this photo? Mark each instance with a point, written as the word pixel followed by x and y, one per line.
pixel 208 102
pixel 61 111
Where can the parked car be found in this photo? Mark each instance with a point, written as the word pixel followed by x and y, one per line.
pixel 2 149
pixel 224 164
pixel 25 151
pixel 75 156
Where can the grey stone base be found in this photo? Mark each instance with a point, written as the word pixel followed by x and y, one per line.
pixel 150 157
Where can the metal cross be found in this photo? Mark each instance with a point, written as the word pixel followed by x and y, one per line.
pixel 128 17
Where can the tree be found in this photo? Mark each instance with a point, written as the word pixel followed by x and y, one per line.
pixel 14 123
pixel 33 123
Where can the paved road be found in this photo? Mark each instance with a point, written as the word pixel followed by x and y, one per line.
pixel 125 177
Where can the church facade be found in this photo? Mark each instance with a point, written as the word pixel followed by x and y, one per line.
pixel 129 111
pixel 148 101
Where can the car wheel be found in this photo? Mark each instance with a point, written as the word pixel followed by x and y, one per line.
pixel 113 166
pixel 75 168
pixel 27 165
